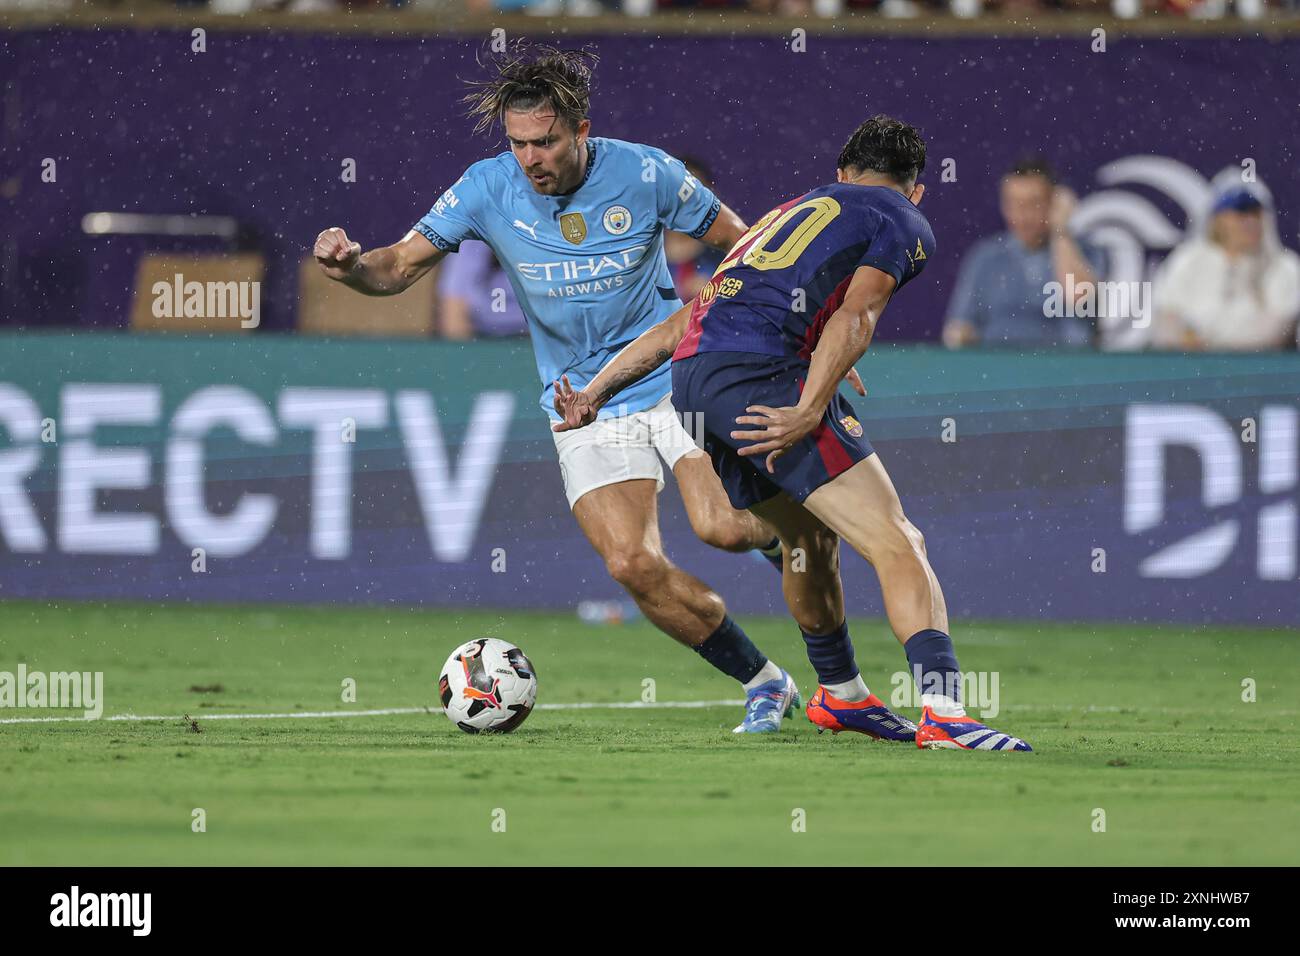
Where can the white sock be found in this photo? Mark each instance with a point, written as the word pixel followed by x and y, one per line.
pixel 943 705
pixel 769 672
pixel 772 552
pixel 850 691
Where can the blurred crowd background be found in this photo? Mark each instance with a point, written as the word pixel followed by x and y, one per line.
pixel 1196 9
pixel 1156 230
pixel 1230 285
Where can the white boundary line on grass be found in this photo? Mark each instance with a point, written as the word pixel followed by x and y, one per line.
pixel 385 712
pixel 583 705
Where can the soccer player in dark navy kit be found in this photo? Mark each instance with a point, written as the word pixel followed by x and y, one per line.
pixel 757 358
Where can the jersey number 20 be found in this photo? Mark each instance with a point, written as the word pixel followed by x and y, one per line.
pixel 820 212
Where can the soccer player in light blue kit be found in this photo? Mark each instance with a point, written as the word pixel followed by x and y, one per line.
pixel 577 223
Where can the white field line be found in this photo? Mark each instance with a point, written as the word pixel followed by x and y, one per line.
pixel 584 705
pixel 386 712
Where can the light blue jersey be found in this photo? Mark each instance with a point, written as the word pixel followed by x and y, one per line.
pixel 587 268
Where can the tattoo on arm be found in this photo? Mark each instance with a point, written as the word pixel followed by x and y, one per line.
pixel 632 375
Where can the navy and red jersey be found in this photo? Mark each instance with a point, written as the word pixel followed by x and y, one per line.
pixel 784 279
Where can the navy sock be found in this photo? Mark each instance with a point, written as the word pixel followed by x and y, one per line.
pixel 730 650
pixel 933 663
pixel 776 560
pixel 831 655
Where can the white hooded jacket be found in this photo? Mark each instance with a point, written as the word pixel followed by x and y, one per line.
pixel 1249 303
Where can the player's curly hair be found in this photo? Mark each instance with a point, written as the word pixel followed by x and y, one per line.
pixel 526 76
pixel 888 146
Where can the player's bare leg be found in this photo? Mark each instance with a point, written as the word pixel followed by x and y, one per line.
pixel 621 522
pixel 815 595
pixel 862 507
pixel 811 581
pixel 712 517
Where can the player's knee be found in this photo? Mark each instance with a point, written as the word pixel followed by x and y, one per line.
pixel 918 539
pixel 640 570
pixel 910 540
pixel 898 540
pixel 724 533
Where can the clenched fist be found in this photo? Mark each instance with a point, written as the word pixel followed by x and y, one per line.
pixel 336 253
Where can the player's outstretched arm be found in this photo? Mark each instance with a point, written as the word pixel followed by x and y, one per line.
pixel 843 341
pixel 726 230
pixel 384 271
pixel 642 356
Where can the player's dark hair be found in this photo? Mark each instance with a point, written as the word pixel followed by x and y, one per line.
pixel 696 167
pixel 527 76
pixel 1034 166
pixel 887 146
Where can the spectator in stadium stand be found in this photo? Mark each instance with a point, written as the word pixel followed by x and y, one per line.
pixel 475 299
pixel 550 8
pixel 690 261
pixel 1232 286
pixel 498 6
pixel 999 299
pixel 785 8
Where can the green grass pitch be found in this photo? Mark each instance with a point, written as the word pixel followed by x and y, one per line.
pixel 1147 724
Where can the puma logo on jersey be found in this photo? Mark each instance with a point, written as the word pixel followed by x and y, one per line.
pixel 531 230
pixel 918 256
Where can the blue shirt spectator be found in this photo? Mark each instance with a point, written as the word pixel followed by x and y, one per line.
pixel 999 293
pixel 1002 294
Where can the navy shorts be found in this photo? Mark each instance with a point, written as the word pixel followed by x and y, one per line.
pixel 712 389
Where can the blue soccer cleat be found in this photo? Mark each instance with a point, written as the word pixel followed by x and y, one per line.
pixel 767 704
pixel 963 733
pixel 870 717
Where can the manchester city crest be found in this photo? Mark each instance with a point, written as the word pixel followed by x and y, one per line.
pixel 617 220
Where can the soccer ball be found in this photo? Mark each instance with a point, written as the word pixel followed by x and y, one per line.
pixel 487 685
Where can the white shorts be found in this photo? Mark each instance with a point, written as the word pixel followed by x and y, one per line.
pixel 623 448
